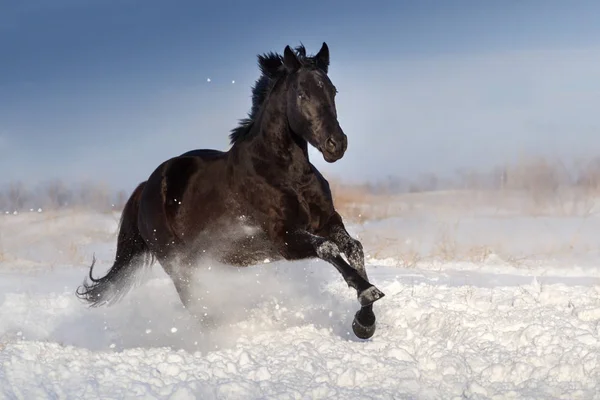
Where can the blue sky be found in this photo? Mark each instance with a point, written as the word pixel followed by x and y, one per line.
pixel 108 89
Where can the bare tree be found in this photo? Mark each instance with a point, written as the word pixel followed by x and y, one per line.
pixel 57 193
pixel 17 196
pixel 121 200
pixel 95 195
pixel 3 202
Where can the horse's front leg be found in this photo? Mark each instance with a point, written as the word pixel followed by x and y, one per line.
pixel 364 320
pixel 335 230
pixel 300 244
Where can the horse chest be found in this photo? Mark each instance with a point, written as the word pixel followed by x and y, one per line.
pixel 308 213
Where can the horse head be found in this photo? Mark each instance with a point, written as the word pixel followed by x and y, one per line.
pixel 311 110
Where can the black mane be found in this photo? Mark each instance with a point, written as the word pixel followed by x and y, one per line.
pixel 271 68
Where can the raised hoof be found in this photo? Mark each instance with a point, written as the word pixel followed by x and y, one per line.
pixel 363 330
pixel 370 296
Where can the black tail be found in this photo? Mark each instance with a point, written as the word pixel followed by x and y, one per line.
pixel 132 253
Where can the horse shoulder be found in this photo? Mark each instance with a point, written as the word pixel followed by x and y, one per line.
pixel 325 188
pixel 318 197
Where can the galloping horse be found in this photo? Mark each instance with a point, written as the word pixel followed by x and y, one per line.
pixel 260 199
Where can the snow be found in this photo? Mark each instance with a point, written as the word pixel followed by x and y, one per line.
pixel 449 327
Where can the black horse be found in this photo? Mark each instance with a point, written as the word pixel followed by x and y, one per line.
pixel 260 199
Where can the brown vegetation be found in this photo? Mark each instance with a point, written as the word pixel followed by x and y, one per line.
pixel 529 187
pixel 56 194
pixel 534 186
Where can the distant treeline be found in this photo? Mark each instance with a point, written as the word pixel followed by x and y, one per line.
pixel 535 174
pixel 543 177
pixel 56 194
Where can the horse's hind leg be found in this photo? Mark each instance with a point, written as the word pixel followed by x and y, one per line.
pixel 181 273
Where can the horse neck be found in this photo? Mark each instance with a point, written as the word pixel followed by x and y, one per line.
pixel 274 138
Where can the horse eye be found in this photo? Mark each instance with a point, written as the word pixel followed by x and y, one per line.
pixel 320 84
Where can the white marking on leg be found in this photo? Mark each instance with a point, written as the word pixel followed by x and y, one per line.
pixel 327 250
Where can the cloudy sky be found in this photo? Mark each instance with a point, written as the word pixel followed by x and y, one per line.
pixel 108 89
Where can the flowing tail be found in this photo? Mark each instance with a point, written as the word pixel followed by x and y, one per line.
pixel 132 253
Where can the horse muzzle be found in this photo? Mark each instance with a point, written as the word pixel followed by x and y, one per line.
pixel 334 147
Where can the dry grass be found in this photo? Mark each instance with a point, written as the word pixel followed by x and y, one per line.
pixel 357 204
pixel 443 243
pixel 74 254
pixel 534 186
pixel 58 237
pixel 543 185
pixel 529 188
pixel 56 195
pixel 410 258
pixel 444 250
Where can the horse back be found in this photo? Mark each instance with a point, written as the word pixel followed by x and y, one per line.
pixel 206 154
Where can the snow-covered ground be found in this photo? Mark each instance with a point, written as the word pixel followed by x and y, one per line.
pixel 479 304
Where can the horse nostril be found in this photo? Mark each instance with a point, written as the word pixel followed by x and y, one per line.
pixel 330 144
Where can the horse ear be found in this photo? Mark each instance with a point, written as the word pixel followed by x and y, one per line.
pixel 322 57
pixel 290 61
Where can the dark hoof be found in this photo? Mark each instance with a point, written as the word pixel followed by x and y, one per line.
pixel 364 325
pixel 370 296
